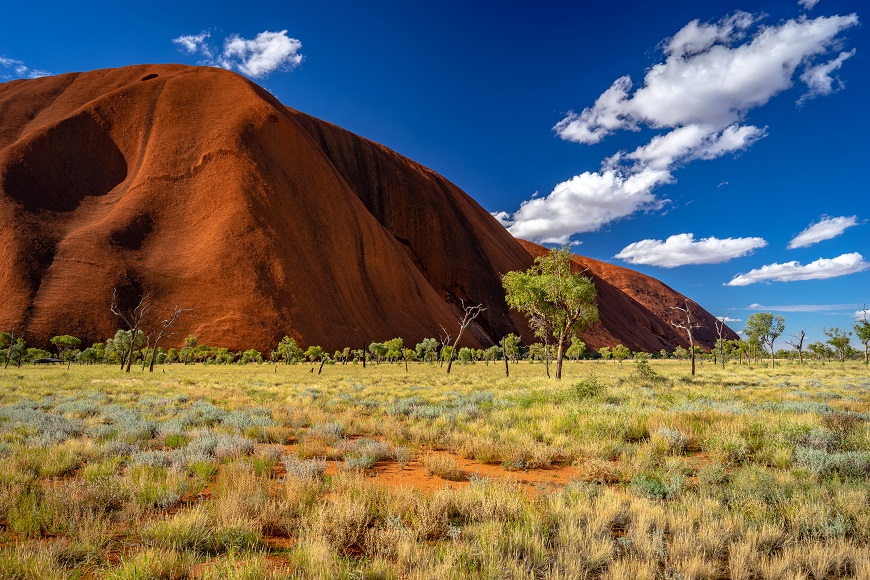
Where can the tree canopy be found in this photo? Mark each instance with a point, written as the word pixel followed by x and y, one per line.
pixel 556 301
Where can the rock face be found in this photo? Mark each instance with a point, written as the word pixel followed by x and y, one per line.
pixel 195 185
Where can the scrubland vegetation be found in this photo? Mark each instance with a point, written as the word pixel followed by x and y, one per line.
pixel 624 469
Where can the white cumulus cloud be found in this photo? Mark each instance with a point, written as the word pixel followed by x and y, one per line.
pixel 682 250
pixel 584 203
pixel 255 57
pixel 712 75
pixel 825 229
pixel 821 269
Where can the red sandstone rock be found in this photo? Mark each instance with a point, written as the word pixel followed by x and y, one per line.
pixel 197 185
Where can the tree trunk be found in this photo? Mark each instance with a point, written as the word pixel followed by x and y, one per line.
pixel 364 354
pixel 559 355
pixel 132 345
pixel 692 347
pixel 322 361
pixel 153 356
pixel 507 371
pixel 406 364
pixel 772 355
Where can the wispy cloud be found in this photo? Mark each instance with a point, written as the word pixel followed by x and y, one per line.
pixel 824 229
pixel 821 269
pixel 808 4
pixel 819 80
pixel 682 250
pixel 711 76
pixel 728 319
pixel 255 57
pixel 16 69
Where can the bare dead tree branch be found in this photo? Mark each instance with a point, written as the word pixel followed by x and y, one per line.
pixel 132 318
pixel 164 326
pixel 687 327
pixel 469 313
pixel 798 344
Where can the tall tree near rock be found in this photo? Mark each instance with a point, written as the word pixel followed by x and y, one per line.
pixel 132 318
pixel 553 298
pixel 720 344
pixel 766 327
pixel 469 313
pixel 688 326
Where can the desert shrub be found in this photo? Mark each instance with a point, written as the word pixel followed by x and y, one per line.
pixel 192 530
pixel 670 440
pixel 155 564
pixel 363 453
pixel 823 463
pixel 444 466
pixel 656 486
pixel 305 469
pixel 588 388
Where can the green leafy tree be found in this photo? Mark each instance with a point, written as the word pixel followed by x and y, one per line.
pixel 408 354
pixel 17 352
pixel 6 342
pixel 289 351
pixel 839 339
pixel 315 353
pixel 379 351
pixel 553 298
pixel 394 348
pixel 862 332
pixel 605 352
pixel 189 348
pixel 427 349
pixel 765 327
pixel 65 344
pixel 466 355
pixel 620 353
pixel 577 348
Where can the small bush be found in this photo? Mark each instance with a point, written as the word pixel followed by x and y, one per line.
pixel 444 466
pixel 654 487
pixel 588 388
pixel 305 469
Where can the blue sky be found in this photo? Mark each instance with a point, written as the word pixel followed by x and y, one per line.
pixel 744 122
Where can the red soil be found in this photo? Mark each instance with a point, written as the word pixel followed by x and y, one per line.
pixel 195 184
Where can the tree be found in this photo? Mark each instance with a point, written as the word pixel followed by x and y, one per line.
pixel 687 327
pixel 553 298
pixel 395 347
pixel 164 326
pixel 577 348
pixel 65 344
pixel 288 350
pixel 189 347
pixel 6 341
pixel 862 331
pixel 131 317
pixel 469 313
pixel 620 353
pixel 839 339
pixel 605 352
pixel 315 353
pixel 720 343
pixel 427 350
pixel 378 350
pixel 798 344
pixel 408 354
pixel 766 327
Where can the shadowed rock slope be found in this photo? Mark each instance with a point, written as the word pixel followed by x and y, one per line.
pixel 196 185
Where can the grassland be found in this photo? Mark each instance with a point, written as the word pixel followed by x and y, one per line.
pixel 265 472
